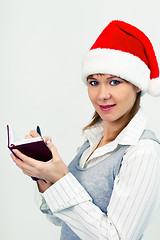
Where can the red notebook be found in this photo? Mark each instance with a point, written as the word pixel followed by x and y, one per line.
pixel 32 147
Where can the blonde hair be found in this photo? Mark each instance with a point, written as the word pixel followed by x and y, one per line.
pixel 96 118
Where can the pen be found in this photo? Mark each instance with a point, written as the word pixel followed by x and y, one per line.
pixel 39 131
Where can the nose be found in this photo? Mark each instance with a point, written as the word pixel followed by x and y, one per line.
pixel 104 93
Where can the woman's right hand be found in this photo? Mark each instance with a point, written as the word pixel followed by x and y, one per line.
pixel 50 171
pixel 42 185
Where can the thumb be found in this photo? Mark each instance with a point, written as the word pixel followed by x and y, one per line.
pixel 53 149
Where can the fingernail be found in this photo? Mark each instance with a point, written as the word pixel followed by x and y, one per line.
pixel 49 143
pixel 15 151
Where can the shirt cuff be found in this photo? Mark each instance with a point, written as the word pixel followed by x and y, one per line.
pixel 38 196
pixel 65 193
pixel 40 202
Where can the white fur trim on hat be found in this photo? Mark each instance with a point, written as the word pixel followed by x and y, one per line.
pixel 118 63
pixel 154 87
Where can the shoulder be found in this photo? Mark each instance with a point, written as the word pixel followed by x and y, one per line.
pixel 144 148
pixel 147 144
pixel 142 159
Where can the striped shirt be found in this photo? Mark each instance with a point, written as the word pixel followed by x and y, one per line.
pixel 136 193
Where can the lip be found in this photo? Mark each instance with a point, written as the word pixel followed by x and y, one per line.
pixel 107 107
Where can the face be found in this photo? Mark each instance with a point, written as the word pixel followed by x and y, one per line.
pixel 111 96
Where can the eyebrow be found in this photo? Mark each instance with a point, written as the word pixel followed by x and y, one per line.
pixel 90 77
pixel 113 77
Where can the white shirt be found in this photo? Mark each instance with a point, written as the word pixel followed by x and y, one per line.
pixel 136 193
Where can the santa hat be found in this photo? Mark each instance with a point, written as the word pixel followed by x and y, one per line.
pixel 125 51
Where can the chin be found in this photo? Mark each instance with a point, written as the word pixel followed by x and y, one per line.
pixel 111 117
pixel 108 118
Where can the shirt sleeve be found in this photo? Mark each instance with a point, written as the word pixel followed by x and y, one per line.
pixel 44 208
pixel 134 199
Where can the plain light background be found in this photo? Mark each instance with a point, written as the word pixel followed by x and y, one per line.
pixel 42 44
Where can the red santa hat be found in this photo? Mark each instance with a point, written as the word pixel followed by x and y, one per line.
pixel 125 51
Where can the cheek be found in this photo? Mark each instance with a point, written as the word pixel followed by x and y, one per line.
pixel 129 99
pixel 91 95
pixel 127 96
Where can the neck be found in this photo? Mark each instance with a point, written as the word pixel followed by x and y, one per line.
pixel 112 129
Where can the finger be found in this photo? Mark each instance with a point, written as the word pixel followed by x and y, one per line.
pixel 14 158
pixel 34 134
pixel 28 136
pixel 17 161
pixel 47 138
pixel 26 169
pixel 28 160
pixel 54 151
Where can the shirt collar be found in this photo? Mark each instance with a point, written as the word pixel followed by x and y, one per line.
pixel 133 131
pixel 128 136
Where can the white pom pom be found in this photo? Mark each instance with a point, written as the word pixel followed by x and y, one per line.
pixel 154 87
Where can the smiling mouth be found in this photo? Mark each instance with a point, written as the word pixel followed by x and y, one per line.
pixel 106 107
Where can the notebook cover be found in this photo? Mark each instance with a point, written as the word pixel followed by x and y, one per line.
pixel 36 150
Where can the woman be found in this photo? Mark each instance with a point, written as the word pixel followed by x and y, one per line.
pixel 111 188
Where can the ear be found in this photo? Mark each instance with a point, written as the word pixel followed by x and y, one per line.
pixel 138 90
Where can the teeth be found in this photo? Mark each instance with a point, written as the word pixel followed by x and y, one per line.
pixel 108 106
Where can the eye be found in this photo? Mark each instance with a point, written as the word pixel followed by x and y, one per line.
pixel 93 83
pixel 115 82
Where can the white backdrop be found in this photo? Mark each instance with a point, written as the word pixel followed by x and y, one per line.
pixel 41 48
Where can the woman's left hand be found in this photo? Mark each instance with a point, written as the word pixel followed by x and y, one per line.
pixel 50 171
